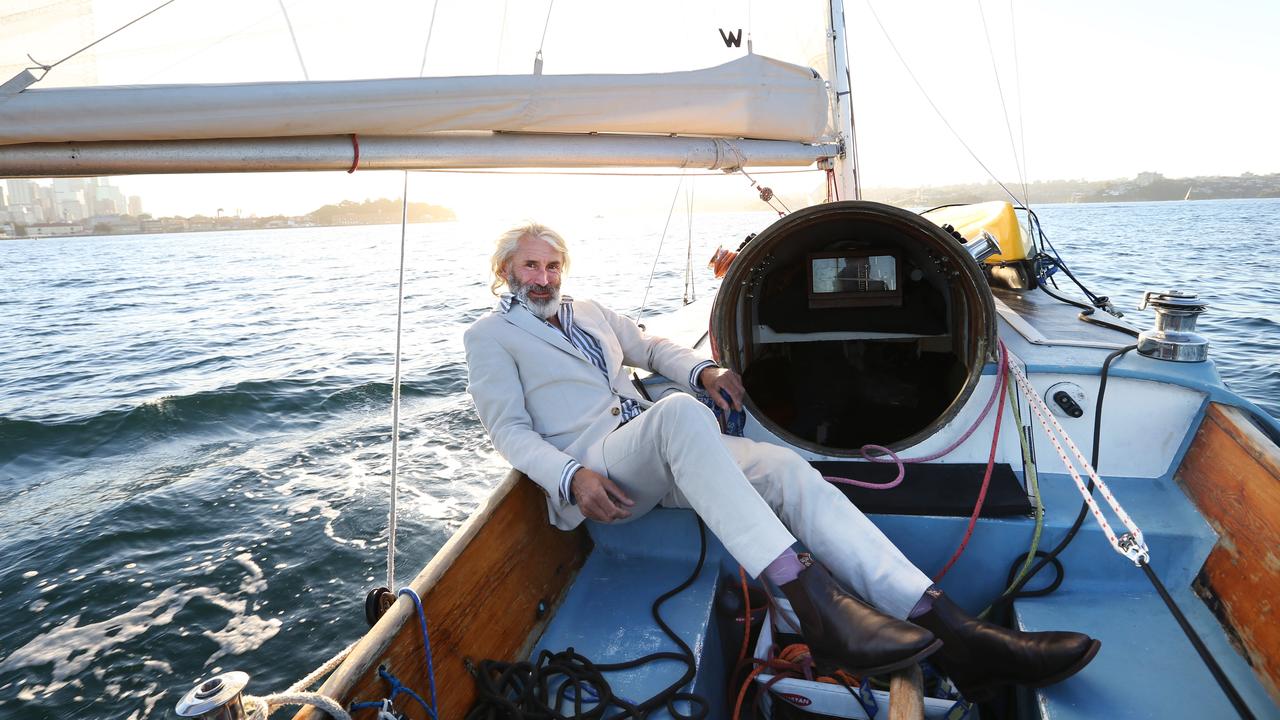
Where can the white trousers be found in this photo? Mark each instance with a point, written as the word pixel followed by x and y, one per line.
pixel 757 498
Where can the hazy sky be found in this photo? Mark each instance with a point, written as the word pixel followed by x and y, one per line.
pixel 1102 89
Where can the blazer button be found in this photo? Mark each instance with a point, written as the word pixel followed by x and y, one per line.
pixel 617 411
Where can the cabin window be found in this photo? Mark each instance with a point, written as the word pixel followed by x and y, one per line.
pixel 863 279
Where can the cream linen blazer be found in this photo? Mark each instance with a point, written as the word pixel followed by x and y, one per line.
pixel 543 402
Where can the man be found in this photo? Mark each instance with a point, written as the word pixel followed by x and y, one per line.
pixel 548 380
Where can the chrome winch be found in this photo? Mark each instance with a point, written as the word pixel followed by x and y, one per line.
pixel 1173 337
pixel 218 698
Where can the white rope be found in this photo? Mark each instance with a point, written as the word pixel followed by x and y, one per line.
pixel 260 708
pixel 288 23
pixel 395 391
pixel 1131 545
pixel 670 211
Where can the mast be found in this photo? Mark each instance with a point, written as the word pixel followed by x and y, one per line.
pixel 847 162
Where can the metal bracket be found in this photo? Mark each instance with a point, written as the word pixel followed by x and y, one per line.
pixel 1134 548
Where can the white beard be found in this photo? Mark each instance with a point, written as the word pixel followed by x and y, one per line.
pixel 545 309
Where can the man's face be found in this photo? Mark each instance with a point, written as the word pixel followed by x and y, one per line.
pixel 533 276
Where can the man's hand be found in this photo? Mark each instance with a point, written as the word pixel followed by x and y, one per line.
pixel 715 379
pixel 598 497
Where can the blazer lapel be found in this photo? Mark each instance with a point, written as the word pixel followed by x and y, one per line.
pixel 525 320
pixel 589 321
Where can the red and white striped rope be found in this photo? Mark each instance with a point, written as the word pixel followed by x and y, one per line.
pixel 1131 546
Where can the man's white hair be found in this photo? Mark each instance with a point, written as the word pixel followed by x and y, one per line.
pixel 509 241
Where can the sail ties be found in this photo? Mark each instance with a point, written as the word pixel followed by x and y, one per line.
pixel 355 153
pixel 1131 544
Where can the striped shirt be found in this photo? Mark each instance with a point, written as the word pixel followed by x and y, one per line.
pixel 589 346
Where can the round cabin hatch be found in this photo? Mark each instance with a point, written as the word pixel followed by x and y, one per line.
pixel 853 323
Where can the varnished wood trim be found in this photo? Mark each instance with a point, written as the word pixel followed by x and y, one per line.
pixel 480 592
pixel 1232 473
pixel 1252 440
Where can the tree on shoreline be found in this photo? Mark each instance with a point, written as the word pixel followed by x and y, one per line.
pixel 378 211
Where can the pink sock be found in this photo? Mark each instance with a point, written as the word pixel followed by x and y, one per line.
pixel 785 568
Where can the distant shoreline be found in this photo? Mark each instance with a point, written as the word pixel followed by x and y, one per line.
pixel 937 196
pixel 191 231
pixel 1145 187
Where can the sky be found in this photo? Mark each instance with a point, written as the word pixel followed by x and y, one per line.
pixel 1044 90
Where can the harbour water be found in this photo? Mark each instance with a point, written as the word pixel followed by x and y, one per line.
pixel 194 429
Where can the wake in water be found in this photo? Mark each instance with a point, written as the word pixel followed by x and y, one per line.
pixel 194 454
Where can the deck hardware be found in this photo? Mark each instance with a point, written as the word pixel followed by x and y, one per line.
pixel 1067 399
pixel 376 603
pixel 983 247
pixel 470 666
pixel 1134 549
pixel 1173 337
pixel 541 611
pixel 218 698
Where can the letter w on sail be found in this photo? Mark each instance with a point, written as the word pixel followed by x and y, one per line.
pixel 731 38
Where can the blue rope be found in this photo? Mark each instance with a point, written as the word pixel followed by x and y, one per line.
pixel 426 647
pixel 398 687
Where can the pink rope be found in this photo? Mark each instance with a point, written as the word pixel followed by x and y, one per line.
pixel 902 472
pixel 1002 369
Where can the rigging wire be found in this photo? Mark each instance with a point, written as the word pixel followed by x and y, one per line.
pixel 502 37
pixel 690 294
pixel 934 105
pixel 46 68
pixel 289 24
pixel 395 389
pixel 649 285
pixel 395 383
pixel 430 27
pixel 1004 108
pixel 1022 127
pixel 537 57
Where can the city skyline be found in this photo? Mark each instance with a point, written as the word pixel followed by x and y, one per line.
pixel 48 208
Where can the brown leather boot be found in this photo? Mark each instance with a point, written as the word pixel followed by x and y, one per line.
pixel 842 630
pixel 981 657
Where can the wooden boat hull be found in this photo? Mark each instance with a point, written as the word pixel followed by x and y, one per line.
pixel 488 594
pixel 1232 474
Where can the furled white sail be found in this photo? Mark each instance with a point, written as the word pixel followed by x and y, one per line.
pixel 750 97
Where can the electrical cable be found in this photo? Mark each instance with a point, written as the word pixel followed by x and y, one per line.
pixel 523 690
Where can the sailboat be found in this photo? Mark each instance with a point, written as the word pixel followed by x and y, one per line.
pixel 854 325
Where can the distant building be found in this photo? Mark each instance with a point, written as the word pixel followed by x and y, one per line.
pixel 1146 179
pixel 22 192
pixel 135 205
pixel 54 229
